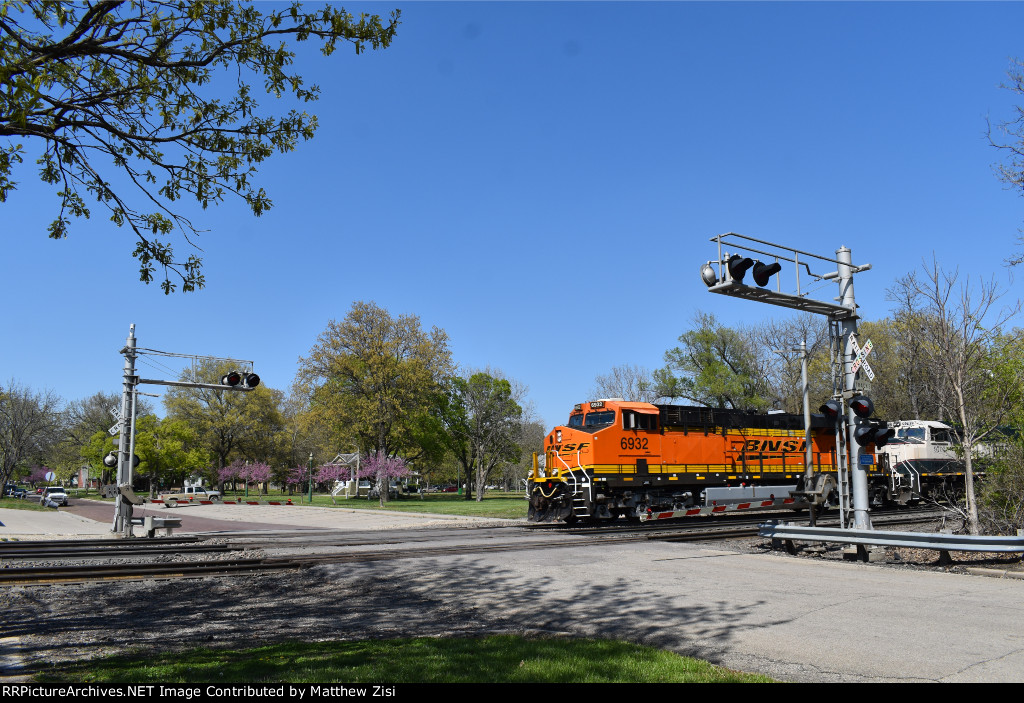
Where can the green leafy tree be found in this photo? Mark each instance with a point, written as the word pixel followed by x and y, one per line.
pixel 378 377
pixel 484 424
pixel 717 366
pixel 168 451
pixel 124 99
pixel 229 424
pixel 1001 494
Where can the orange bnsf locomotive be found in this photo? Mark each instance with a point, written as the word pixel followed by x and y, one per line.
pixel 616 458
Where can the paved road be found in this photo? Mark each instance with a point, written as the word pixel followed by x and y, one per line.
pixel 93 518
pixel 796 619
pixel 194 519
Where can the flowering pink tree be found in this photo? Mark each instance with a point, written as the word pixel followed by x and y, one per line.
pixel 329 473
pixel 38 474
pixel 332 472
pixel 383 468
pixel 297 478
pixel 229 473
pixel 258 473
pixel 232 472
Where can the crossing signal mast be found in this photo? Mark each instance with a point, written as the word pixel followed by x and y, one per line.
pixel 725 276
pixel 125 458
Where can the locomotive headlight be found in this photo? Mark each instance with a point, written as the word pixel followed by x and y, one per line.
pixel 558 435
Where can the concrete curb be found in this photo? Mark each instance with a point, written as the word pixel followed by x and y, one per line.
pixel 995 573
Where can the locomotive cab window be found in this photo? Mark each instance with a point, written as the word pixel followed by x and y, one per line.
pixel 576 420
pixel 632 420
pixel 600 419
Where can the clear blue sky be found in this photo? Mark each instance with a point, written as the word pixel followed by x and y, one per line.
pixel 541 180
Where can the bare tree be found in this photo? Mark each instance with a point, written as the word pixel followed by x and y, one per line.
pixel 781 369
pixel 629 382
pixel 961 334
pixel 29 425
pixel 1011 143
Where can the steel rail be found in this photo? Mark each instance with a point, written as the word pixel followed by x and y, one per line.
pixel 118 542
pixel 114 572
pixel 103 552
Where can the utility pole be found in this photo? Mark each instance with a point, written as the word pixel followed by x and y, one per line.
pixel 728 280
pixel 126 459
pixel 123 508
pixel 848 335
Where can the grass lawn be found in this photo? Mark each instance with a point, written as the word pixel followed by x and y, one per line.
pixel 30 502
pixel 496 504
pixel 497 659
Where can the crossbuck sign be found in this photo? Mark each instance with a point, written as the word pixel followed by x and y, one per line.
pixel 862 358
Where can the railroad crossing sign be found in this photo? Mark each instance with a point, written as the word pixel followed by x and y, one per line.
pixel 862 357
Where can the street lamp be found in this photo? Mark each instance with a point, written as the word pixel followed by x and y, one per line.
pixel 311 478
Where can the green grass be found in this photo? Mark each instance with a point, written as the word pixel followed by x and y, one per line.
pixel 29 502
pixel 496 659
pixel 495 504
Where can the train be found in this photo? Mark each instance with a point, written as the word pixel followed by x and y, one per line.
pixel 923 461
pixel 642 461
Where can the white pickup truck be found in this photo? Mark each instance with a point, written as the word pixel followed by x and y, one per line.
pixel 172 497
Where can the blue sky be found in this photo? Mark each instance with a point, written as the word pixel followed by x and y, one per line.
pixel 541 180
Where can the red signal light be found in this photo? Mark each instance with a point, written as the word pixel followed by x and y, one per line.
pixel 862 406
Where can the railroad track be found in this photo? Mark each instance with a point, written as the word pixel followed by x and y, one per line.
pixel 106 552
pixel 41 575
pixel 86 573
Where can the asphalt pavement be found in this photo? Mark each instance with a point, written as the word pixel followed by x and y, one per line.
pixel 87 518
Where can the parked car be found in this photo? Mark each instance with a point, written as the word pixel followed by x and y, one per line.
pixel 450 489
pixel 54 494
pixel 14 491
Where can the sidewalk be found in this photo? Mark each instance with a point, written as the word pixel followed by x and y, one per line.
pixel 52 524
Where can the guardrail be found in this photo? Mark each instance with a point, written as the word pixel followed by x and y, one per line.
pixel 940 541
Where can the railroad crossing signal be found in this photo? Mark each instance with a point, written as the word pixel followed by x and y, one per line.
pixel 248 381
pixel 861 359
pixel 831 411
pixel 869 431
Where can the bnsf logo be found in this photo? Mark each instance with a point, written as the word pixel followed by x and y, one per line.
pixel 774 445
pixel 572 447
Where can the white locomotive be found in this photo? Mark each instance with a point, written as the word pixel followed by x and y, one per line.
pixel 923 461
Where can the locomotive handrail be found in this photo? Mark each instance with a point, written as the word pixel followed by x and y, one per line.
pixel 939 541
